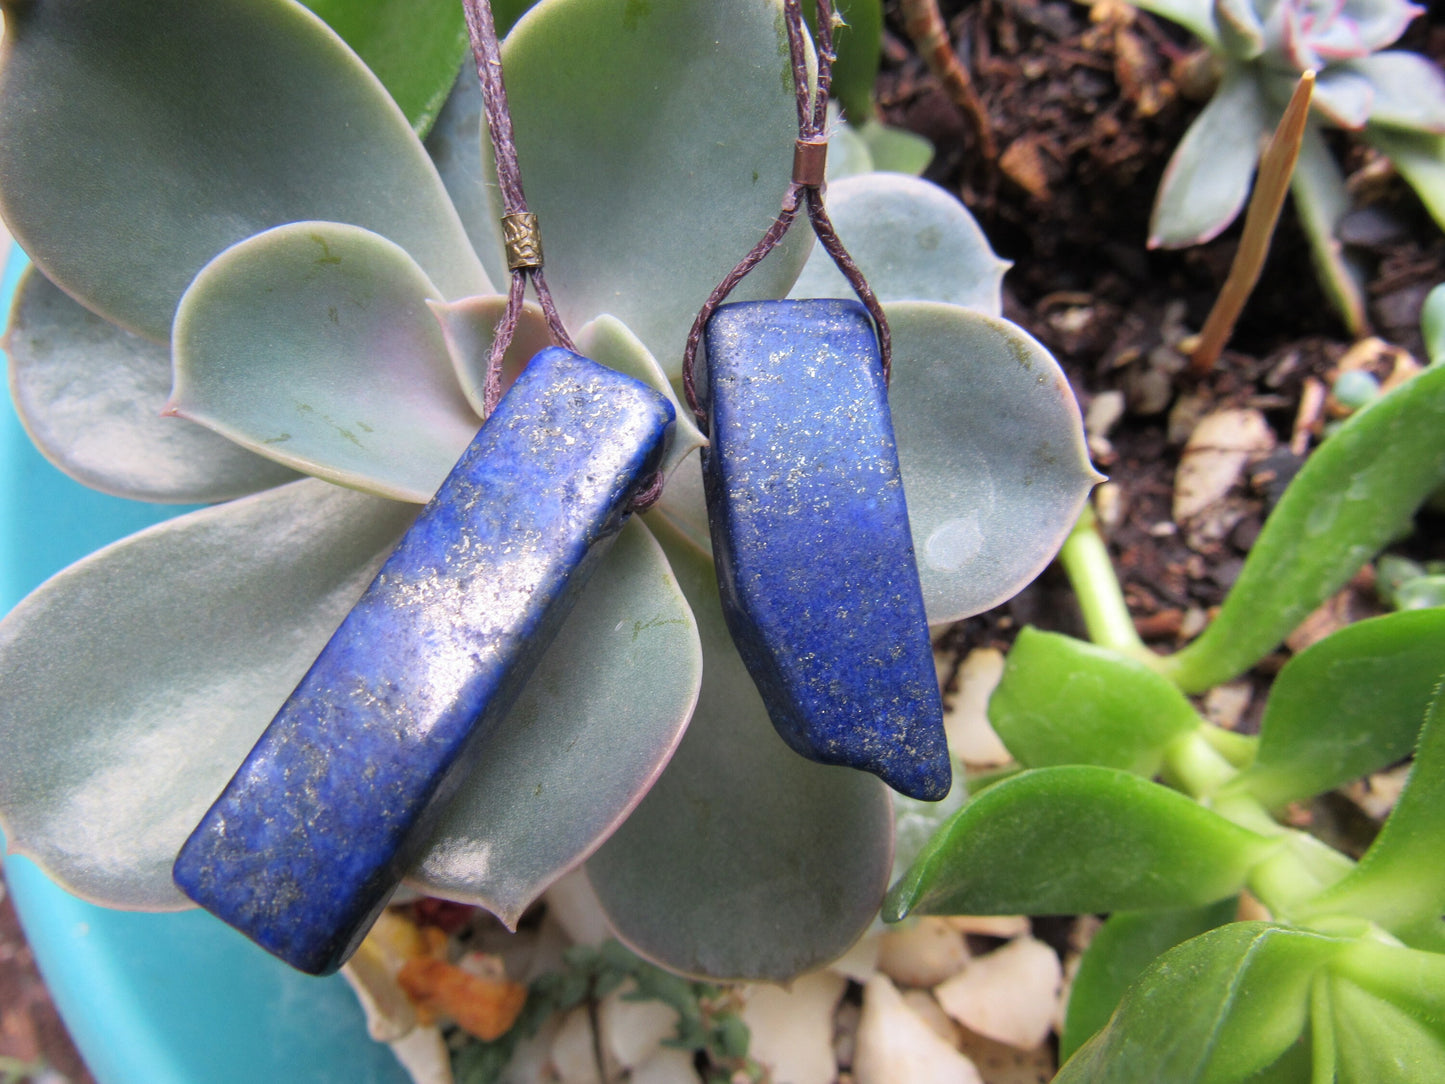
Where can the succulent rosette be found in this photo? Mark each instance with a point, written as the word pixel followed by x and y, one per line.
pixel 249 270
pixel 1394 98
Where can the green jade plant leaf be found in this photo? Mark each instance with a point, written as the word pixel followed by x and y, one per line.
pixel 413 46
pixel 1346 706
pixel 858 41
pixel 1356 493
pixel 1214 1010
pixel 327 301
pixel 1260 1002
pixel 1127 943
pixel 1394 99
pixel 1062 701
pixel 1400 882
pixel 1016 849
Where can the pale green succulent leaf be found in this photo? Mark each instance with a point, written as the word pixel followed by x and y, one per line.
pixel 469 327
pixel 896 150
pixel 611 342
pixel 744 860
pixel 912 241
pixel 991 449
pixel 857 42
pixel 1208 178
pixel 915 822
pixel 1321 201
pixel 992 452
pixel 1241 34
pixel 103 797
pixel 413 46
pixel 1420 159
pixel 455 146
pixel 90 396
pixel 239 115
pixel 603 95
pixel 684 506
pixel 1432 324
pixel 848 153
pixel 313 344
pixel 580 747
pixel 1379 22
pixel 137 679
pixel 1409 90
pixel 1344 96
pixel 1196 16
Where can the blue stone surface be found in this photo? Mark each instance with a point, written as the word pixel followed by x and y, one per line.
pixel 810 533
pixel 304 846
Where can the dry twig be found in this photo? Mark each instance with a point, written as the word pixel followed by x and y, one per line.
pixel 1276 166
pixel 924 24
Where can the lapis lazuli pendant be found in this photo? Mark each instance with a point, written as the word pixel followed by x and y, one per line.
pixel 810 533
pixel 304 846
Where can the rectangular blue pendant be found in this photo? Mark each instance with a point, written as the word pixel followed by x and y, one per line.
pixel 304 846
pixel 810 533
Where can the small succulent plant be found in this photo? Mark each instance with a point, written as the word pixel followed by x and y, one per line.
pixel 260 243
pixel 1395 99
pixel 1338 968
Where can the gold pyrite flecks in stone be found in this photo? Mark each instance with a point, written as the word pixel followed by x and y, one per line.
pixel 306 843
pixel 810 534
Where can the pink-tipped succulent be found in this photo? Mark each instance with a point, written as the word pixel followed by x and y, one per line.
pixel 1395 99
pixel 1316 34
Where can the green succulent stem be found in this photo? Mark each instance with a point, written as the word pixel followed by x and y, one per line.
pixel 1199 769
pixel 1299 868
pixel 1238 749
pixel 1086 562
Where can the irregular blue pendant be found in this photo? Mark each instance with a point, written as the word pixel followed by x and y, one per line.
pixel 304 846
pixel 810 533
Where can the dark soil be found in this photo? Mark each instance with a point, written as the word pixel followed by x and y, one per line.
pixel 1084 107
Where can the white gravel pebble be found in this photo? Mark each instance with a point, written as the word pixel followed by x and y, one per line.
pixel 792 1028
pixel 1010 995
pixel 922 952
pixel 573 1050
pixel 895 1046
pixel 971 737
pixel 632 1031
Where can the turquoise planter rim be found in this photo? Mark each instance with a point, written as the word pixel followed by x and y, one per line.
pixel 155 998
